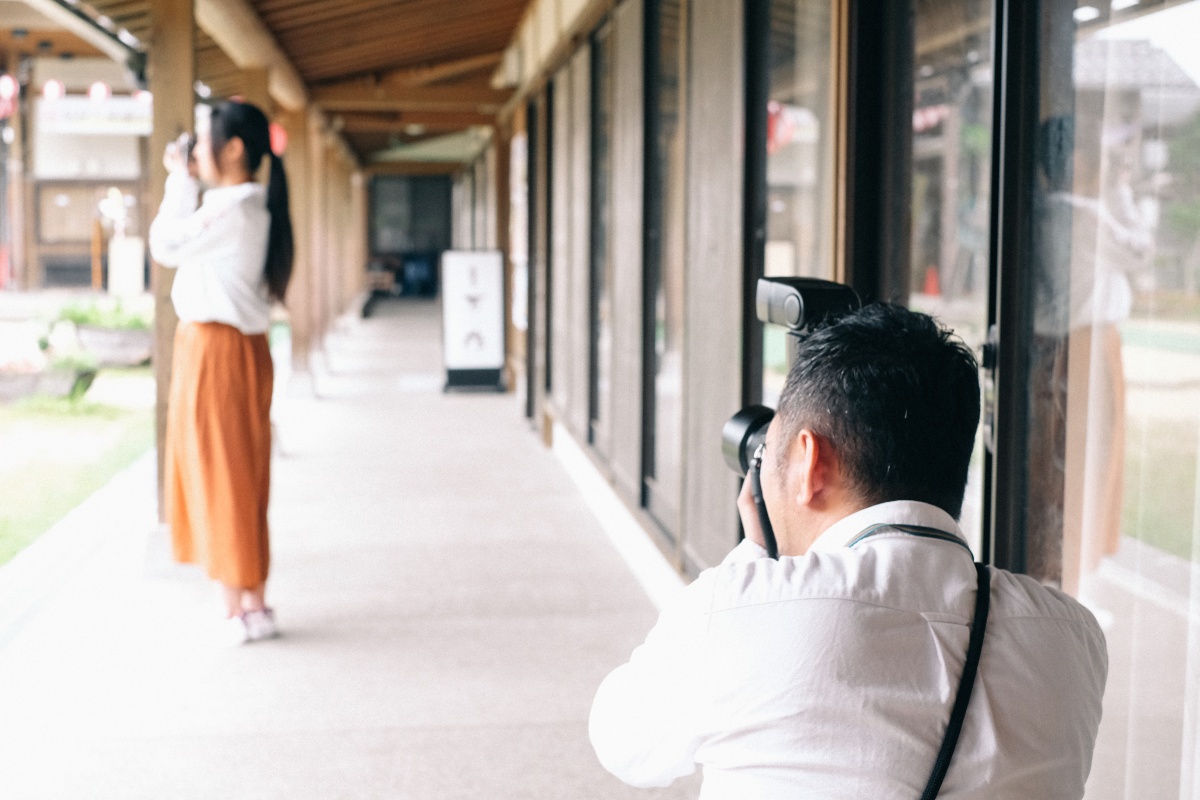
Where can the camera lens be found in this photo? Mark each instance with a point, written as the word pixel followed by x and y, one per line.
pixel 742 435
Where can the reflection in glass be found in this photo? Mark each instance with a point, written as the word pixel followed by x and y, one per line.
pixel 601 264
pixel 951 163
pixel 799 160
pixel 666 270
pixel 1115 403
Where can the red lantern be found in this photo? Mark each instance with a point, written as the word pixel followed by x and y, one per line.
pixel 9 89
pixel 279 139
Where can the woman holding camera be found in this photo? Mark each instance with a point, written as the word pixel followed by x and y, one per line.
pixel 233 257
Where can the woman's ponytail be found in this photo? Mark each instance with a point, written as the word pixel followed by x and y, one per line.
pixel 280 247
pixel 247 122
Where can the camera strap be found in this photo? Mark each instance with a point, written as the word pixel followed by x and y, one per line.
pixel 942 765
pixel 966 683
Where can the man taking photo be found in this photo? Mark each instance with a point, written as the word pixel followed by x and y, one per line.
pixel 831 672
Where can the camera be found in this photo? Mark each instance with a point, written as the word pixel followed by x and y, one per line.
pixel 796 304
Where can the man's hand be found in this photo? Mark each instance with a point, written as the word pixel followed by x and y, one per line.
pixel 749 514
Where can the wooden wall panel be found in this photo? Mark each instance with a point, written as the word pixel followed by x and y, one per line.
pixel 712 336
pixel 580 205
pixel 560 246
pixel 627 159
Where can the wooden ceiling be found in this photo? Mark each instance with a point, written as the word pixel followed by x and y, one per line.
pixel 330 40
pixel 388 70
pixel 397 70
pixel 24 32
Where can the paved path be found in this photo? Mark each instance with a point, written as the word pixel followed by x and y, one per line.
pixel 449 606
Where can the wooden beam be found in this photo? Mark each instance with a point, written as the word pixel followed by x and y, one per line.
pixel 237 29
pixel 365 95
pixel 413 168
pixel 75 22
pixel 431 121
pixel 432 73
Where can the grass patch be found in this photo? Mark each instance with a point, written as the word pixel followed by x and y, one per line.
pixel 54 454
pixel 1160 484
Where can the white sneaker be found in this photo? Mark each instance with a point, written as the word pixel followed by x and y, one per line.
pixel 232 632
pixel 260 625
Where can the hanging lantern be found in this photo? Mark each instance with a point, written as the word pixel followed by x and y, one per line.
pixel 53 89
pixel 9 89
pixel 279 139
pixel 99 92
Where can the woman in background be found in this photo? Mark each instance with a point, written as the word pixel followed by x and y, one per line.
pixel 233 256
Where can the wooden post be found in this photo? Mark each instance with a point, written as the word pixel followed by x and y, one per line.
pixel 171 68
pixel 17 252
pixel 317 231
pixel 97 256
pixel 255 85
pixel 502 198
pixel 359 228
pixel 299 300
pixel 330 286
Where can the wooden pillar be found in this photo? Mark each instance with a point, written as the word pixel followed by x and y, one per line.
pixel 299 298
pixel 17 252
pixel 359 229
pixel 171 68
pixel 331 289
pixel 316 216
pixel 255 85
pixel 502 199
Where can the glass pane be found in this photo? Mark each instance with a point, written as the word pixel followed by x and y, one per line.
pixel 664 470
pixel 1116 358
pixel 951 163
pixel 799 160
pixel 601 377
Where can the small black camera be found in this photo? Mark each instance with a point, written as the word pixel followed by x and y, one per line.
pixel 796 304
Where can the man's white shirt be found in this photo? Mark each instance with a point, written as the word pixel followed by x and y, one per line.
pixel 832 675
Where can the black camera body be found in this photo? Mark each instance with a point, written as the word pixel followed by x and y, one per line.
pixel 796 304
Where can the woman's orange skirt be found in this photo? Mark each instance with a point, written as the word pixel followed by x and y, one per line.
pixel 218 452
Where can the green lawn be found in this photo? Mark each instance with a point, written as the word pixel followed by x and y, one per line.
pixel 1160 485
pixel 54 455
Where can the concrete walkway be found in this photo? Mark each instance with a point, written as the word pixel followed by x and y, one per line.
pixel 448 603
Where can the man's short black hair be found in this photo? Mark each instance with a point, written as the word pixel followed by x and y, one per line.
pixel 896 395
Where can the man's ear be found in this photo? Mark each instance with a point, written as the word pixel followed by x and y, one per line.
pixel 805 463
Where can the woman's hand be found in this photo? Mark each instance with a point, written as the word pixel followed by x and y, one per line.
pixel 177 156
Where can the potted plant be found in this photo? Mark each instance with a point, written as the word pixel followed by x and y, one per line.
pixel 114 335
pixel 68 376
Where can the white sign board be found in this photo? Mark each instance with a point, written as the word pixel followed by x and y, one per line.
pixel 473 310
pixel 115 116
